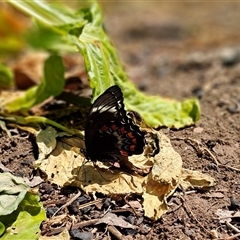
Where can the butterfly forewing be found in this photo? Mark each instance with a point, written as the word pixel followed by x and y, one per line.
pixel 109 133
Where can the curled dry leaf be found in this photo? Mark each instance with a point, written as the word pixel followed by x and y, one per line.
pixel 67 166
pixel 163 179
pixel 64 162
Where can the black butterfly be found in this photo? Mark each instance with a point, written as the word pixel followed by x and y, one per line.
pixel 109 133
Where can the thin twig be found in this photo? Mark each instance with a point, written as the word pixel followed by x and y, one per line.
pixel 123 210
pixel 101 235
pixel 85 223
pixel 68 203
pixel 190 211
pixel 184 192
pixel 56 231
pixel 210 206
pixel 232 227
pixel 90 203
pixel 175 209
pixel 127 202
pixel 229 167
pixel 115 232
pixel 231 237
pixel 200 148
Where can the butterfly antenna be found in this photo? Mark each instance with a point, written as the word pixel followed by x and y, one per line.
pixel 83 151
pixel 97 168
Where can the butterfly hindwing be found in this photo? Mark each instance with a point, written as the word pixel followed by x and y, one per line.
pixel 109 132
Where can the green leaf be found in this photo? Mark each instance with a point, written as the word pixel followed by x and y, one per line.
pixel 51 85
pixel 24 223
pixel 4 128
pixel 164 112
pixel 12 191
pixel 20 211
pixel 84 29
pixel 6 77
pixel 2 229
pixel 104 70
pixel 44 37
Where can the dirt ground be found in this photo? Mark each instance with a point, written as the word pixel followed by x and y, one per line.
pixel 176 50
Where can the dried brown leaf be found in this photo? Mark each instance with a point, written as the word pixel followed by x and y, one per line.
pixel 114 220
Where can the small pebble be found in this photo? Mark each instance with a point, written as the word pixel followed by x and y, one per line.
pixel 77 235
pixel 197 130
pixel 235 204
pixel 107 203
pixel 130 219
pixel 82 199
pixel 130 231
pixel 229 56
pixel 74 207
pixel 235 108
pixel 198 92
pixel 50 211
pixel 190 232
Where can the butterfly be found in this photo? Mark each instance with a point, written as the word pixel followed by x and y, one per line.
pixel 109 133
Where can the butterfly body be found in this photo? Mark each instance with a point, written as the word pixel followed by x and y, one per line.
pixel 109 133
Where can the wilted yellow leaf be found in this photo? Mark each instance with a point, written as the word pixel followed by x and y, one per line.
pixel 163 179
pixel 195 179
pixel 63 163
pixel 67 166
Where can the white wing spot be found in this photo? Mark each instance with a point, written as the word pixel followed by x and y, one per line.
pixel 103 109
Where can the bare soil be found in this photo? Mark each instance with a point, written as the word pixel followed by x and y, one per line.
pixel 176 50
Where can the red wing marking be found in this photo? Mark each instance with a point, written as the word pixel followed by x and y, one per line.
pixel 123 153
pixel 132 148
pixel 134 140
pixel 104 128
pixel 122 130
pixel 114 127
pixel 130 135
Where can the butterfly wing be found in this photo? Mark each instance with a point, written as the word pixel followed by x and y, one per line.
pixel 109 133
